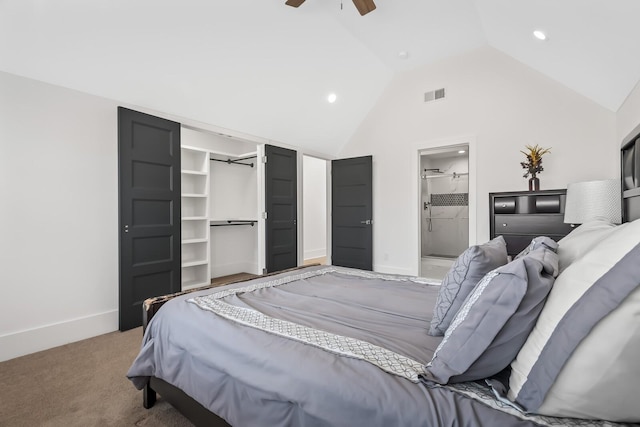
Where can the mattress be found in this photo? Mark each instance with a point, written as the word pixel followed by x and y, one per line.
pixel 321 346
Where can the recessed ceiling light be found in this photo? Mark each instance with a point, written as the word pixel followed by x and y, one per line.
pixel 332 98
pixel 403 54
pixel 540 35
pixel 461 151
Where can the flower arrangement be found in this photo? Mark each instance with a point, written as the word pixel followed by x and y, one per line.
pixel 533 165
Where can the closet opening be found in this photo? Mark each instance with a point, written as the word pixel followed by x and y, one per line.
pixel 314 210
pixel 221 226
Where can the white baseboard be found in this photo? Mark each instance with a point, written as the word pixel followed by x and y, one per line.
pixel 392 270
pixel 315 253
pixel 37 339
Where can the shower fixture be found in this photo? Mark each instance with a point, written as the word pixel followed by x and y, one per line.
pixel 435 171
pixel 427 207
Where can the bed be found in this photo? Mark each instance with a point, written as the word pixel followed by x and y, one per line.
pixel 495 344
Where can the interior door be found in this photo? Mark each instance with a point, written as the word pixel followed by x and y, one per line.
pixel 281 206
pixel 351 213
pixel 149 204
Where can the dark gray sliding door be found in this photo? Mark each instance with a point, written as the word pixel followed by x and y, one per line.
pixel 281 205
pixel 149 197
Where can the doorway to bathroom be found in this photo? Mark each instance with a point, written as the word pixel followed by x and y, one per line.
pixel 444 208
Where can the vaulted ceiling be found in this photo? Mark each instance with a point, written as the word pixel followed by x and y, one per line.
pixel 263 68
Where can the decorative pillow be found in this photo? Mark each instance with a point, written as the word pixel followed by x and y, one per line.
pixel 464 274
pixel 495 320
pixel 577 243
pixel 587 338
pixel 548 242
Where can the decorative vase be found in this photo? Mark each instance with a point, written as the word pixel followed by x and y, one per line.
pixel 534 183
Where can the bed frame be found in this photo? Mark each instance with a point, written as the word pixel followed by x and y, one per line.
pixel 200 416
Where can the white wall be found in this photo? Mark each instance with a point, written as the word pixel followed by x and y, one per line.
pixel 502 105
pixel 59 216
pixel 314 187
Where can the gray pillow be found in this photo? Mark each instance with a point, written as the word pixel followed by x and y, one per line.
pixel 548 242
pixel 495 320
pixel 464 274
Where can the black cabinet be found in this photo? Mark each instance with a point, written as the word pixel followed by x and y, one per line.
pixel 630 156
pixel 521 216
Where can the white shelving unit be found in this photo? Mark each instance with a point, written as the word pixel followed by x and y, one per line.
pixel 195 217
pixel 222 226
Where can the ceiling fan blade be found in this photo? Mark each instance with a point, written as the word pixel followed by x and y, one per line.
pixel 364 6
pixel 294 3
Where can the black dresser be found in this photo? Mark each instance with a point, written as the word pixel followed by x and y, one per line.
pixel 519 216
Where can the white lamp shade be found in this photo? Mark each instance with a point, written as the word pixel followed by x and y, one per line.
pixel 591 200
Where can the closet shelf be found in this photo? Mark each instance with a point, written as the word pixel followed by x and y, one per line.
pixel 188 241
pixel 194 263
pixel 193 195
pixel 193 218
pixel 192 172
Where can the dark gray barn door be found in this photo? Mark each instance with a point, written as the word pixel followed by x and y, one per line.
pixel 149 196
pixel 281 205
pixel 351 213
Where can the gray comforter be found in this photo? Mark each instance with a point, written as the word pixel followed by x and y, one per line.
pixel 326 347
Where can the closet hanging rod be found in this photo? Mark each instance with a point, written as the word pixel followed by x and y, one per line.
pixel 236 161
pixel 231 222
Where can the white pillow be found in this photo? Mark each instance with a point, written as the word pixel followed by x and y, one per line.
pixel 594 306
pixel 600 380
pixel 582 240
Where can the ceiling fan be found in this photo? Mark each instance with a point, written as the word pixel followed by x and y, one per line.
pixel 363 6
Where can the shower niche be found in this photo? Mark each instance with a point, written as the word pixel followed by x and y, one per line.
pixel 444 213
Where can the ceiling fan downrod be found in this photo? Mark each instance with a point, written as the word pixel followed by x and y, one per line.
pixel 363 6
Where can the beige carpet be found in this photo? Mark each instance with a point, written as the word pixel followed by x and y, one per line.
pixel 83 384
pixel 80 384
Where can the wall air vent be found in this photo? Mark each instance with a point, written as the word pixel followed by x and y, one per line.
pixel 434 95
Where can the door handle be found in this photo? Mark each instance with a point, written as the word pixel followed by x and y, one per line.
pixel 367 222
